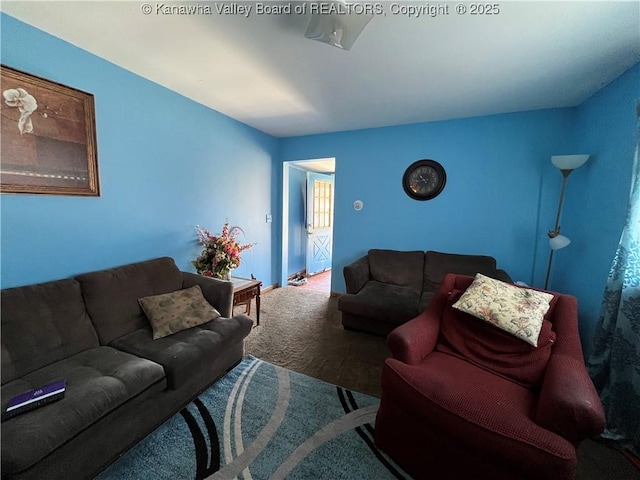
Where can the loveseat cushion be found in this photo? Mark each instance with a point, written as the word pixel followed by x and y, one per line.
pixel 382 301
pixel 437 265
pixel 187 351
pixel 42 324
pixel 425 299
pixel 111 295
pixel 397 268
pixel 98 381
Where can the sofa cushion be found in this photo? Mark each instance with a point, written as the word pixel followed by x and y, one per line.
pixel 112 295
pixel 516 310
pixel 397 268
pixel 480 343
pixel 382 301
pixel 98 381
pixel 172 312
pixel 437 265
pixel 42 324
pixel 189 350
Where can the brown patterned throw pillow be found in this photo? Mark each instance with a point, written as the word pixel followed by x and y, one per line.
pixel 172 312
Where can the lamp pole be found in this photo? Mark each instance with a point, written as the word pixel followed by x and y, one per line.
pixel 556 230
pixel 566 164
pixel 546 280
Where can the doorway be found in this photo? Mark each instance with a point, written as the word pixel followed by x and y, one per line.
pixel 307 223
pixel 319 199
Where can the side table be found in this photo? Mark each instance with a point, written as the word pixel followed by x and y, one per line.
pixel 244 291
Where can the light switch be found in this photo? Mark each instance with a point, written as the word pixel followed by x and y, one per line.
pixel 269 218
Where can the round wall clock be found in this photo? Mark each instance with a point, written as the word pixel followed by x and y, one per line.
pixel 424 179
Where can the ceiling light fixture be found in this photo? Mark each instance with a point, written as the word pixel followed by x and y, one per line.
pixel 335 24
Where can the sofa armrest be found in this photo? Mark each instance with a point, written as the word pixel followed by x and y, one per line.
pixel 568 403
pixel 219 293
pixel 356 274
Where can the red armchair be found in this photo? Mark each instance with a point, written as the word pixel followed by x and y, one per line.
pixel 462 399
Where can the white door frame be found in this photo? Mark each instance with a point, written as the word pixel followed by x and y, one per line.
pixel 284 264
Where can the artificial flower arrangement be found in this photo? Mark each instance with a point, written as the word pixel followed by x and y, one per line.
pixel 221 252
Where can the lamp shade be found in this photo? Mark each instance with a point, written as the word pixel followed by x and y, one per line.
pixel 569 162
pixel 558 242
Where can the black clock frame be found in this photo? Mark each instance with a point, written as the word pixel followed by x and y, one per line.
pixel 442 179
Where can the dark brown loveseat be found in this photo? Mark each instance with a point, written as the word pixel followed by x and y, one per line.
pixel 121 384
pixel 387 288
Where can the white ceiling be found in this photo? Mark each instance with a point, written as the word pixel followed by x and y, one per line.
pixel 261 70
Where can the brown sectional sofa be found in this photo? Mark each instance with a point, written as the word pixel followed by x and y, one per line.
pixel 121 384
pixel 387 288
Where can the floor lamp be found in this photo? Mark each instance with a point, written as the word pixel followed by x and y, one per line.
pixel 566 164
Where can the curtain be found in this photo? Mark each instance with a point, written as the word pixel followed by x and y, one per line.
pixel 614 365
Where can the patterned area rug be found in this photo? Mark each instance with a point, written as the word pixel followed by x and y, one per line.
pixel 261 421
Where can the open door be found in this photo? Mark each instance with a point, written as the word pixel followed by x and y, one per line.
pixel 319 222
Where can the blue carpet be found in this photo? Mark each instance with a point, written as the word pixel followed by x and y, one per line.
pixel 264 422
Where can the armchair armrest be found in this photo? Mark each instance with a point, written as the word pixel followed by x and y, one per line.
pixel 219 293
pixel 356 274
pixel 568 403
pixel 411 342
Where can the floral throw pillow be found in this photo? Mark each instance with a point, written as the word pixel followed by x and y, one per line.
pixel 516 310
pixel 172 312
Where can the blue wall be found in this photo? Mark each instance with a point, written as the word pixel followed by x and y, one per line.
pixel 166 164
pixel 502 190
pixel 597 194
pixel 491 204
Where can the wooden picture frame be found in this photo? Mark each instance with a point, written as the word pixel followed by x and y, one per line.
pixel 48 137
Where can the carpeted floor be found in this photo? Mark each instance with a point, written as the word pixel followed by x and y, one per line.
pixel 300 329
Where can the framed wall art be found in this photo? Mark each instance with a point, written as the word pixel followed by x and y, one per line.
pixel 48 137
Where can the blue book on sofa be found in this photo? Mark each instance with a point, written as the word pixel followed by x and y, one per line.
pixel 34 398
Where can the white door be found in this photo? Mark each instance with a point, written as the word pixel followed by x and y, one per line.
pixel 319 222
